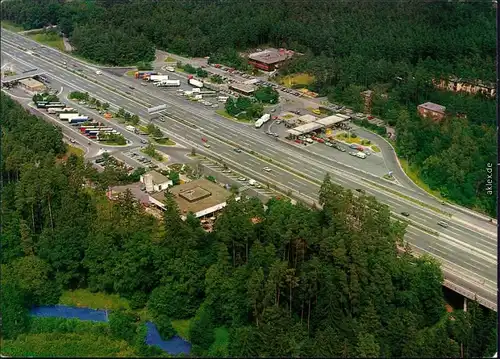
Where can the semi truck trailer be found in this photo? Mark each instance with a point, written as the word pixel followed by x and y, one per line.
pixel 168 83
pixel 68 116
pixel 195 83
pixel 156 78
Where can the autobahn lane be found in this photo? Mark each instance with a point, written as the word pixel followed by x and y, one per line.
pixel 314 169
pixel 295 183
pixel 155 96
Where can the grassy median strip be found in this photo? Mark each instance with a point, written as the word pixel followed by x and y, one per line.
pixel 416 201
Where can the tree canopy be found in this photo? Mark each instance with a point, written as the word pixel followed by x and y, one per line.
pixel 296 282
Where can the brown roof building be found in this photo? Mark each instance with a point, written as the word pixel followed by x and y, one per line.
pixel 270 59
pixel 32 85
pixel 432 110
pixel 201 197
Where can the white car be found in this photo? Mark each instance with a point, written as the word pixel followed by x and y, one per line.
pixel 242 179
pixel 267 169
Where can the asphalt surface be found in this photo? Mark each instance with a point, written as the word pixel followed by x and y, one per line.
pixel 466 248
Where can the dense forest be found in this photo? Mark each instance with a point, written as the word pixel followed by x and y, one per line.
pixel 286 280
pixel 394 48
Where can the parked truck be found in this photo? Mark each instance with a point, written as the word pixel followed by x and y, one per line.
pixel 361 155
pixel 195 83
pixel 130 128
pixel 60 110
pixel 168 83
pixel 77 120
pixel 141 74
pixel 156 78
pixel 262 120
pixel 68 116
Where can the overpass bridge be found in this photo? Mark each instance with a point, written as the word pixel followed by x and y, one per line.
pixel 25 75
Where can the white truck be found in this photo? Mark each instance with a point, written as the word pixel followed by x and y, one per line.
pixel 157 78
pixel 262 120
pixel 130 128
pixel 68 116
pixel 361 155
pixel 168 83
pixel 170 68
pixel 222 99
pixel 195 83
pixel 252 182
pixel 60 110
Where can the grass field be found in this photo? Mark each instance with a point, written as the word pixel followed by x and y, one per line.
pixel 170 59
pixel 182 328
pixel 165 142
pixel 74 151
pixel 223 113
pixel 8 25
pixel 130 73
pixel 66 345
pixel 375 149
pixel 297 79
pixel 50 39
pixel 221 343
pixel 84 298
pixel 415 177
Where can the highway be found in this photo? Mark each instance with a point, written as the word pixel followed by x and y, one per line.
pixel 466 248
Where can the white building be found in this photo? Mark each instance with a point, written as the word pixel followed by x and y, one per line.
pixel 155 181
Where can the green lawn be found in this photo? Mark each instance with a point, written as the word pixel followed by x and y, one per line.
pixel 50 39
pixel 165 142
pixel 130 73
pixel 415 177
pixel 74 151
pixel 170 59
pixel 182 328
pixel 84 298
pixel 221 343
pixel 66 345
pixel 224 114
pixel 8 25
pixel 179 69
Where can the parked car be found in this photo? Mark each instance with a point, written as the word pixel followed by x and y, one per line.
pixel 406 214
pixel 267 169
pixel 237 150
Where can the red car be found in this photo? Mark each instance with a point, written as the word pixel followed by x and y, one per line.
pixel 320 140
pixel 275 117
pixel 298 141
pixel 371 117
pixel 204 139
pixel 217 66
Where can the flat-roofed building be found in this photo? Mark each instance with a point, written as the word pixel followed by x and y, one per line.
pixel 307 119
pixel 201 197
pixel 270 59
pixel 32 85
pixel 245 89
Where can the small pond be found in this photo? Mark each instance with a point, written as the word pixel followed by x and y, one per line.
pixel 175 345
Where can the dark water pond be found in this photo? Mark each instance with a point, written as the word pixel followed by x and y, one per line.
pixel 175 345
